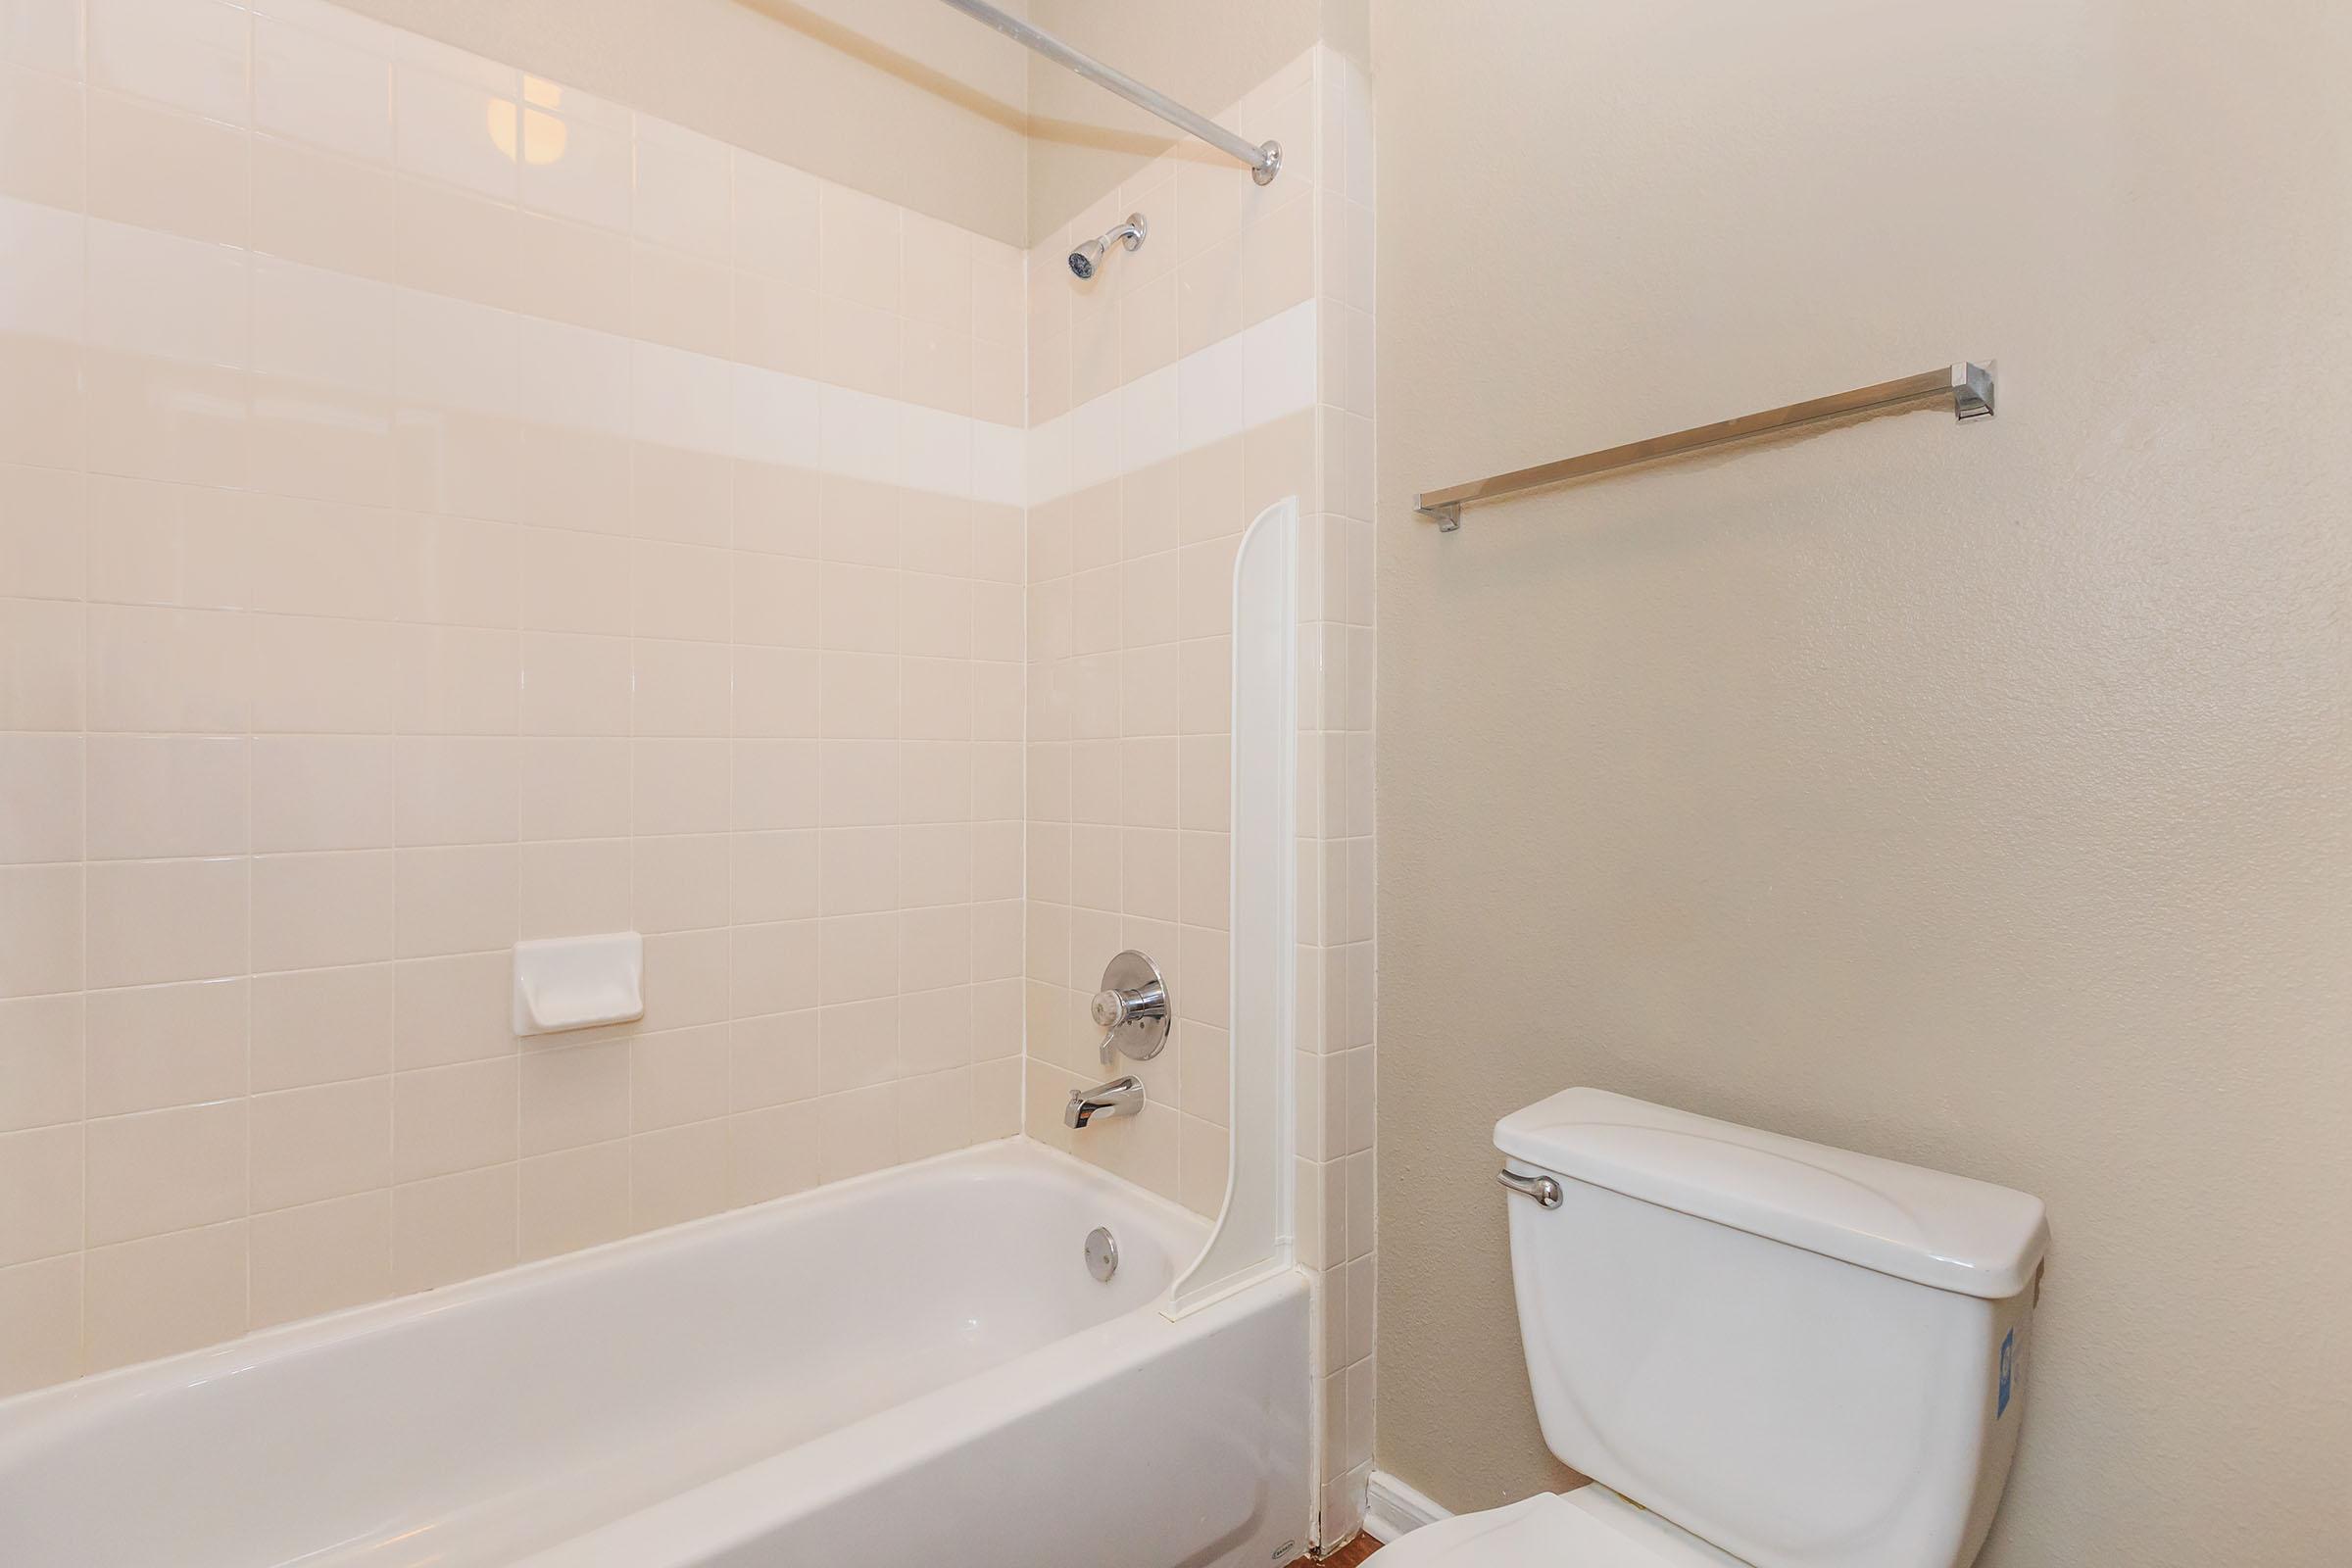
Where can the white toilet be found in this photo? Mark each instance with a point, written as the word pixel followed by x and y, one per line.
pixel 1765 1352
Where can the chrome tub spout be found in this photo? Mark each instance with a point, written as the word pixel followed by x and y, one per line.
pixel 1121 1096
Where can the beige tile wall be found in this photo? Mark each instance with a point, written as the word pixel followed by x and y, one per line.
pixel 1222 367
pixel 438 508
pixel 895 97
pixel 1339 974
pixel 1145 472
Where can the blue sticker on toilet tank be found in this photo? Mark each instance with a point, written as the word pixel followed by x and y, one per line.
pixel 2008 1364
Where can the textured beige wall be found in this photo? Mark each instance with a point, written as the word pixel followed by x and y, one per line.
pixel 1980 797
pixel 900 98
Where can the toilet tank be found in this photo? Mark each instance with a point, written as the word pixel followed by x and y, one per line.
pixel 1806 1357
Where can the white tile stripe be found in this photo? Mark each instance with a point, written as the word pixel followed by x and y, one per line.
pixel 703 403
pixel 1259 375
pixel 679 398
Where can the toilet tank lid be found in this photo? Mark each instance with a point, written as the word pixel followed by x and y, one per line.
pixel 1926 1226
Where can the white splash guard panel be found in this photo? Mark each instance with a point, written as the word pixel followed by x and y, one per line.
pixel 1256 1235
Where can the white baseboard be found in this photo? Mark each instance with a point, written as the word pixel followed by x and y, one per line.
pixel 1393 1510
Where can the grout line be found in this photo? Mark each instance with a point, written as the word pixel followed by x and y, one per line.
pixel 392 1199
pixel 629 1053
pixel 246 27
pixel 83 456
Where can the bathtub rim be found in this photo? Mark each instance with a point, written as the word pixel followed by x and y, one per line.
pixel 28 1418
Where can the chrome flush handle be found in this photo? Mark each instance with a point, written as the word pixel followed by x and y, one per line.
pixel 1543 1189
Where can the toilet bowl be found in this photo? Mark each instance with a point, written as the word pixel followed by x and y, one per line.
pixel 1767 1353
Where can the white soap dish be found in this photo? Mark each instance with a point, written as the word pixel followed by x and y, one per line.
pixel 578 982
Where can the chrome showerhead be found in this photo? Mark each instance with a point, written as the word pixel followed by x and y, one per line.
pixel 1087 257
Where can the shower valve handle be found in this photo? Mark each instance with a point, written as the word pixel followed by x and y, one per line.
pixel 1115 1007
pixel 1131 1008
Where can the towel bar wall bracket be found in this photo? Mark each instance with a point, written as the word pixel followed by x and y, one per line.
pixel 1969 387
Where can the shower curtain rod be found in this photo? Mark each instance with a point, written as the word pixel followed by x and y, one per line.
pixel 1265 160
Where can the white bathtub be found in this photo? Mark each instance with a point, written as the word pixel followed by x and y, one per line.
pixel 915 1366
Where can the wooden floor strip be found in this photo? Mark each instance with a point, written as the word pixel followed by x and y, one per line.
pixel 1347 1556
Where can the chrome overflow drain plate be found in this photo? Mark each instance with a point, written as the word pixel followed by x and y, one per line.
pixel 1102 1254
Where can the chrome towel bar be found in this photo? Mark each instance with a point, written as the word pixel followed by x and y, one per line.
pixel 1969 387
